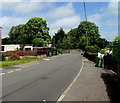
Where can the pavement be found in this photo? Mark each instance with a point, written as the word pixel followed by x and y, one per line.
pixel 90 85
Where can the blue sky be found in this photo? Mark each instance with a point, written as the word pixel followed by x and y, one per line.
pixel 67 15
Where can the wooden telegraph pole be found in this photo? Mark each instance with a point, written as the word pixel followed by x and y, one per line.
pixel 0 37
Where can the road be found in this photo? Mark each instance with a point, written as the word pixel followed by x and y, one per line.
pixel 46 80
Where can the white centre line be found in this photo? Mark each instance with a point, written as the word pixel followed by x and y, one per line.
pixel 2 73
pixel 10 72
pixel 17 69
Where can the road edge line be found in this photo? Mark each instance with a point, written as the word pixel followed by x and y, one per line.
pixel 69 87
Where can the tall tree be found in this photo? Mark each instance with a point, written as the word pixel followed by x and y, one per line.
pixel 58 38
pixel 39 42
pixel 74 36
pixel 66 43
pixel 6 40
pixel 89 30
pixel 16 33
pixel 34 28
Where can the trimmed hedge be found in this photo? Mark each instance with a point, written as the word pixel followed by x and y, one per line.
pixel 103 51
pixel 92 49
pixel 91 56
pixel 26 52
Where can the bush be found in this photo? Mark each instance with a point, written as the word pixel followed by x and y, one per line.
pixel 91 56
pixel 2 57
pixel 14 57
pixel 60 51
pixel 103 51
pixel 116 48
pixel 92 49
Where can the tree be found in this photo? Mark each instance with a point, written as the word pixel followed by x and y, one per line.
pixel 116 48
pixel 73 33
pixel 59 38
pixel 36 28
pixel 39 42
pixel 16 33
pixel 66 43
pixel 102 43
pixel 89 30
pixel 6 40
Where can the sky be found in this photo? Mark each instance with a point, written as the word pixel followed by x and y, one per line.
pixel 67 15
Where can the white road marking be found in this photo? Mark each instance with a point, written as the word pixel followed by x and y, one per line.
pixel 2 73
pixel 1 69
pixel 66 91
pixel 46 59
pixel 10 72
pixel 17 69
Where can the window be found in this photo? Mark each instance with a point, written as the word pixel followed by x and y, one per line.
pixel 27 48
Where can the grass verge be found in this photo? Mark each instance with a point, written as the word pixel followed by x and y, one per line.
pixel 8 63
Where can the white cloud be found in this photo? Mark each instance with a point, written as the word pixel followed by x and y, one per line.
pixel 12 0
pixel 25 7
pixel 109 35
pixel 66 23
pixel 62 11
pixel 59 0
pixel 95 18
pixel 111 23
pixel 8 22
pixel 111 9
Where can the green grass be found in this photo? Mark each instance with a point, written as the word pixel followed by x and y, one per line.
pixel 8 63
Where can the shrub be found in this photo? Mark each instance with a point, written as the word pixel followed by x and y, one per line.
pixel 92 49
pixel 2 57
pixel 116 48
pixel 60 51
pixel 91 56
pixel 103 51
pixel 14 56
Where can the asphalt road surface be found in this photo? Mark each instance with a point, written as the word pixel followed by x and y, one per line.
pixel 46 80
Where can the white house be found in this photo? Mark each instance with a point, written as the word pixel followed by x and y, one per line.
pixel 28 48
pixel 5 48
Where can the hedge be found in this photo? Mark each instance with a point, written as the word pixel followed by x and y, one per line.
pixel 92 49
pixel 2 57
pixel 116 48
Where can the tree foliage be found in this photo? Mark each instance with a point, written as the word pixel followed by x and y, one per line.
pixel 6 40
pixel 16 33
pixel 34 28
pixel 89 30
pixel 58 38
pixel 116 48
pixel 39 42
pixel 66 43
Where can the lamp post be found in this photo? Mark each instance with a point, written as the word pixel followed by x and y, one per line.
pixel 0 37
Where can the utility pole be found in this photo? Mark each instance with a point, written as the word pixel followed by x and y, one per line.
pixel 86 20
pixel 54 41
pixel 0 38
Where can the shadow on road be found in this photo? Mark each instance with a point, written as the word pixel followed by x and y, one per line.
pixel 112 87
